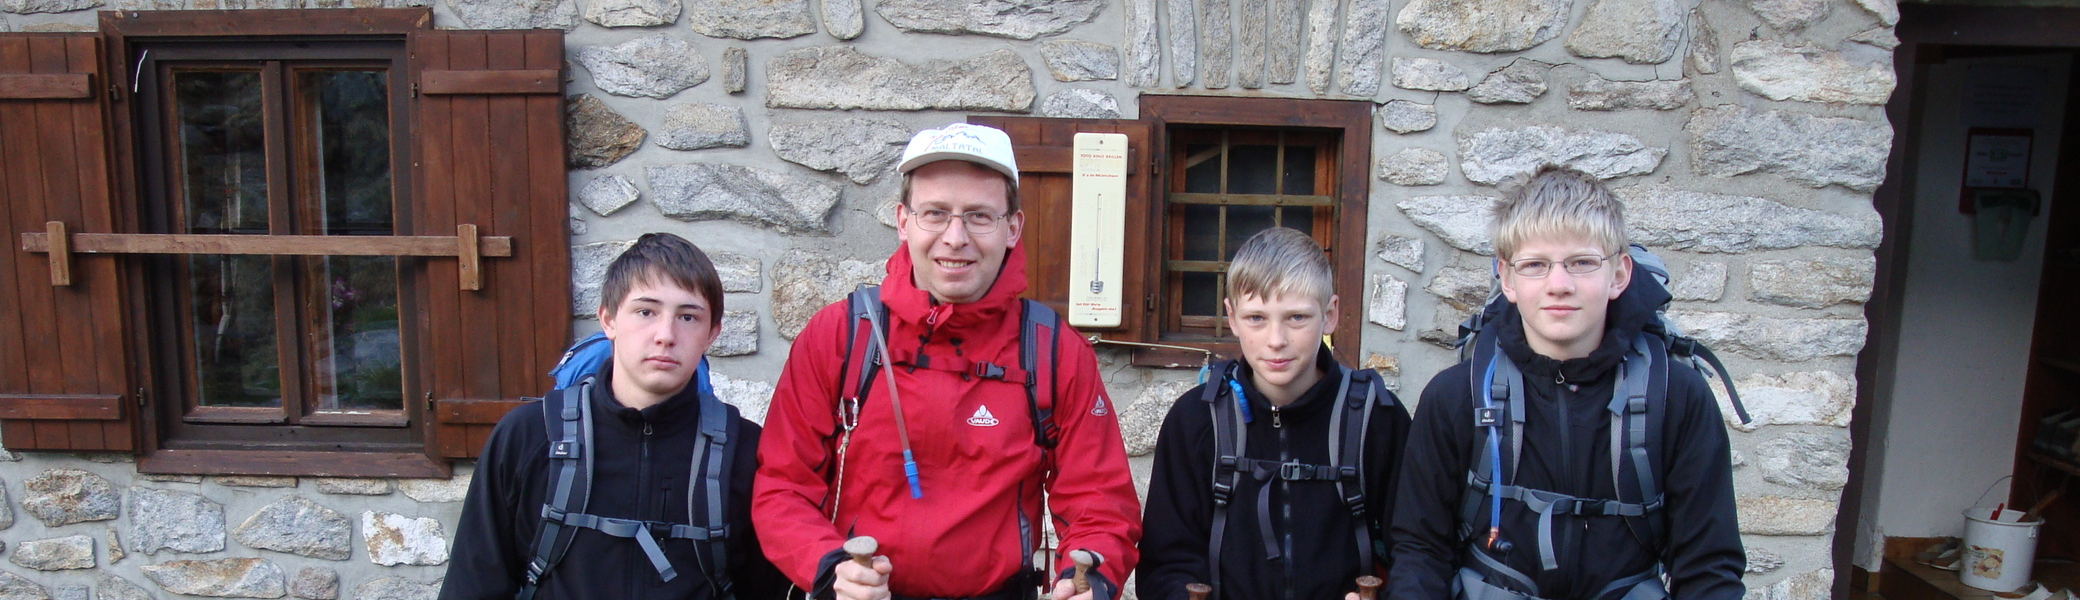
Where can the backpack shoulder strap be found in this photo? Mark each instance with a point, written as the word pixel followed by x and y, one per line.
pixel 567 413
pixel 1230 440
pixel 1636 409
pixel 864 308
pixel 1039 332
pixel 1357 392
pixel 710 471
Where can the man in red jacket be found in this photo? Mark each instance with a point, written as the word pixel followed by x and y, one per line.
pixel 967 525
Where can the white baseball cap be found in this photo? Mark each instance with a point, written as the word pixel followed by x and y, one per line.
pixel 981 144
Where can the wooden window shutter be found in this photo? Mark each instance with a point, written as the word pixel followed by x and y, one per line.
pixel 1043 148
pixel 66 380
pixel 488 110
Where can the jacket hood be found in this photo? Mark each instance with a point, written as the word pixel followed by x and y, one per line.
pixel 910 306
pixel 1628 315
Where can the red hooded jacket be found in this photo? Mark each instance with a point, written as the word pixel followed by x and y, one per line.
pixel 972 439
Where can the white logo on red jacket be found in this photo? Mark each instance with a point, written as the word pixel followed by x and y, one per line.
pixel 1098 408
pixel 982 418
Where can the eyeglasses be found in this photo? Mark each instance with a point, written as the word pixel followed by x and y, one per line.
pixel 1538 267
pixel 935 220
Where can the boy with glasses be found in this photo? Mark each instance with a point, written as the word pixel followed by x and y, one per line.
pixel 1572 457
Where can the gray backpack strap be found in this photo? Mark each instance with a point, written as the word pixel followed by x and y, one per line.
pixel 569 420
pixel 1230 440
pixel 1348 422
pixel 711 465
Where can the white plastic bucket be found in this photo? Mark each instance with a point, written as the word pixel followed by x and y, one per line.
pixel 1998 549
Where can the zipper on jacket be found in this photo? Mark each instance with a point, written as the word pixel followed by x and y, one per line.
pixel 1285 492
pixel 1278 423
pixel 635 567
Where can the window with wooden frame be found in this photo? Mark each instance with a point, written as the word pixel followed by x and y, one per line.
pixel 275 242
pixel 1205 173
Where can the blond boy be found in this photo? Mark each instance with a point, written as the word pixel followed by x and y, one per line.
pixel 1596 499
pixel 1272 480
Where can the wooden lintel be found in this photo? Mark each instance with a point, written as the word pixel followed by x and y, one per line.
pixel 60 253
pixel 469 271
pixel 61 407
pixel 534 81
pixel 66 86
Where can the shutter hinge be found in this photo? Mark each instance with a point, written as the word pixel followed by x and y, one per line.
pixel 115 93
pixel 415 89
pixel 140 397
pixel 429 402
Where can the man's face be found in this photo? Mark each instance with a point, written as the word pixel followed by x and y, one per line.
pixel 1564 312
pixel 660 331
pixel 1280 336
pixel 957 265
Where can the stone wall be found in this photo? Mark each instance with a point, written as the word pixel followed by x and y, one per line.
pixel 1745 136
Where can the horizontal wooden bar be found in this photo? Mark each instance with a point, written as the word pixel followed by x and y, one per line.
pixel 267 22
pixel 89 407
pixel 310 463
pixel 473 412
pixel 278 245
pixel 1196 266
pixel 39 87
pixel 1251 199
pixel 539 81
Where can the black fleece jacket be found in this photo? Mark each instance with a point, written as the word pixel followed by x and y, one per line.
pixel 642 462
pixel 1567 450
pixel 1319 559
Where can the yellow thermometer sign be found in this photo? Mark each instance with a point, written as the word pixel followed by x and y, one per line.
pixel 1097 234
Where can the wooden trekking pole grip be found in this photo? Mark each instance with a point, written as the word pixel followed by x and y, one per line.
pixel 1083 560
pixel 1198 591
pixel 862 549
pixel 1368 587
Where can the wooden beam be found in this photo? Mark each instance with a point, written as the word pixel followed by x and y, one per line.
pixel 466 245
pixel 60 253
pixel 61 407
pixel 466 250
pixel 538 81
pixel 1252 199
pixel 40 87
pixel 276 245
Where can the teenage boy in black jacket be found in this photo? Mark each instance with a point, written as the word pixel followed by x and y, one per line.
pixel 1576 312
pixel 1288 532
pixel 661 307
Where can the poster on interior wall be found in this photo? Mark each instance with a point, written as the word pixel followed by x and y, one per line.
pixel 2004 95
pixel 1995 158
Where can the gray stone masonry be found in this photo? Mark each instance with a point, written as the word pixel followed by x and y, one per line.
pixel 1745 138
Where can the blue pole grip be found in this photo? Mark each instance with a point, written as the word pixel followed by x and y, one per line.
pixel 910 472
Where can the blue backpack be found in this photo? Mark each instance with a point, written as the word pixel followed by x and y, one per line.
pixel 585 357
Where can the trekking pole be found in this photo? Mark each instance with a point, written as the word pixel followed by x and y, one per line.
pixel 1368 587
pixel 1084 560
pixel 1198 591
pixel 862 549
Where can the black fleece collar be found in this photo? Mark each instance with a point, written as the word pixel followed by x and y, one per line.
pixel 1323 362
pixel 682 407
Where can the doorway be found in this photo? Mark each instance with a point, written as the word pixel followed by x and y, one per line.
pixel 1973 308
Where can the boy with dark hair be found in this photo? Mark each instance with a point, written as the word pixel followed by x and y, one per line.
pixel 1246 495
pixel 1568 459
pixel 631 483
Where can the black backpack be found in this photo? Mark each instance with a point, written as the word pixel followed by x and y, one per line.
pixel 1359 391
pixel 568 415
pixel 1635 406
pixel 1038 332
